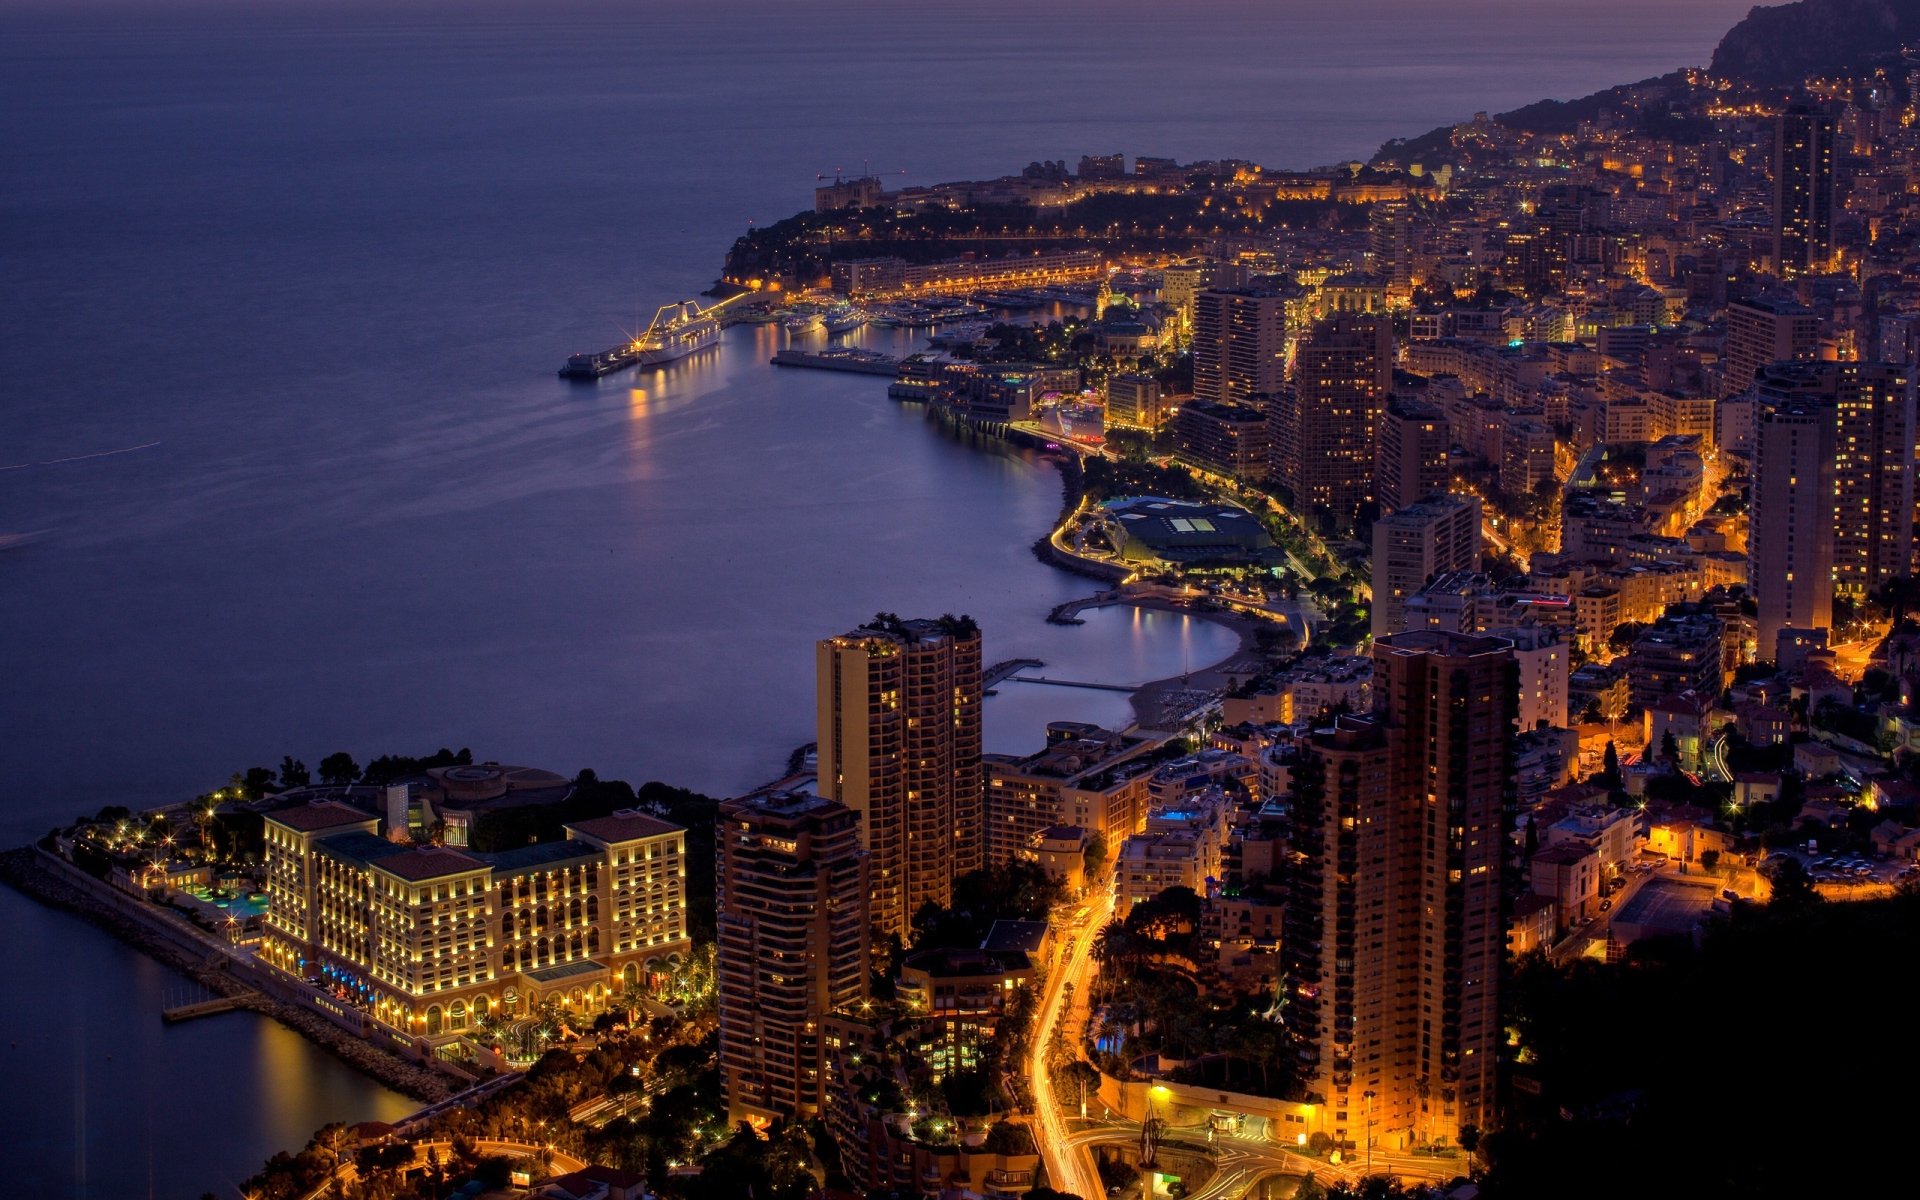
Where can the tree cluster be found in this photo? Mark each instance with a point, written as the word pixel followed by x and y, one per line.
pixel 1717 1072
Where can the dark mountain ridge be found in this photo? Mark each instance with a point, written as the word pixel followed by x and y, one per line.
pixel 1785 43
pixel 1772 45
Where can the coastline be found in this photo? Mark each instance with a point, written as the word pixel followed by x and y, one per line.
pixel 1168 701
pixel 1161 705
pixel 39 876
pixel 1158 703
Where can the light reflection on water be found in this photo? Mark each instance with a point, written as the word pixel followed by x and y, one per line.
pixel 367 516
pixel 1118 644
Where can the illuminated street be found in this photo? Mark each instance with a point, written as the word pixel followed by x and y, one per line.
pixel 1069 1168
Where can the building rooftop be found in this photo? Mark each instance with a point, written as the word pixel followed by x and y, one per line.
pixel 1016 935
pixel 1564 854
pixel 359 848
pixel 1442 641
pixel 948 963
pixel 1684 704
pixel 1530 903
pixel 522 859
pixel 627 825
pixel 560 971
pixel 311 818
pixel 419 863
pixel 1075 753
pixel 1160 523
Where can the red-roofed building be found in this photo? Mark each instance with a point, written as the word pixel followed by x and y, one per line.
pixel 1686 716
pixel 1896 841
pixel 1532 925
pixel 594 1183
pixel 1763 724
pixel 1755 787
pixel 1891 791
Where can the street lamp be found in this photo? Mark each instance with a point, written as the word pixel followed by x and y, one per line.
pixel 1149 1134
pixel 1368 1097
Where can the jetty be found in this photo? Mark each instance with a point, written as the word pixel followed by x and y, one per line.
pixel 859 362
pixel 1077 683
pixel 208 1008
pixel 999 671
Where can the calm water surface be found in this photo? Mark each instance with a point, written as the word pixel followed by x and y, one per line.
pixel 284 292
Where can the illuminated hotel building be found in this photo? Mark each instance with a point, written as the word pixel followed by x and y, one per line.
pixel 793 947
pixel 899 744
pixel 431 939
pixel 1395 937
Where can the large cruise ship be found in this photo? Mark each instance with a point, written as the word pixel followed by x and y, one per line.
pixel 677 331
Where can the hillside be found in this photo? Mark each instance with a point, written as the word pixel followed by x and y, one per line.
pixel 1787 42
pixel 1777 44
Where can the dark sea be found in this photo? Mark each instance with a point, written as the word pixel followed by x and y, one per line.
pixel 282 292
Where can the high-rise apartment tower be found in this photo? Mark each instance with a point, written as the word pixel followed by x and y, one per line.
pixel 899 744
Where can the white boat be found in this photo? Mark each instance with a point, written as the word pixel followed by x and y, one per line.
pixel 803 323
pixel 677 330
pixel 843 319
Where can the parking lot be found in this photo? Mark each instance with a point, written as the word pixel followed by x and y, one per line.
pixel 1664 906
pixel 1840 871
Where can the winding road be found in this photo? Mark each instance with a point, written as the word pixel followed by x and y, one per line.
pixel 1068 1166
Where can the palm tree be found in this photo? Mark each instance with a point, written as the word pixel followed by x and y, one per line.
pixel 1114 946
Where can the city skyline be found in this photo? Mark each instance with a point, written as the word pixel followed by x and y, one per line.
pixel 1406 619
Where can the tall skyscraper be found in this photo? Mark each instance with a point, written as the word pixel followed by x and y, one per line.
pixel 1833 489
pixel 1393 238
pixel 1875 439
pixel 1395 936
pixel 899 743
pixel 1410 547
pixel 1239 343
pixel 1802 192
pixel 1348 942
pixel 793 946
pixel 1324 434
pixel 1792 543
pixel 1765 331
pixel 1410 460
